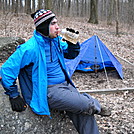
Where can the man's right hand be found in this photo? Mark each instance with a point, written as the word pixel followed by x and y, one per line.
pixel 18 104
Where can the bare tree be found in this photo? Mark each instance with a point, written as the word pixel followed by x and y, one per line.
pixel 110 12
pixel 68 8
pixel 12 6
pixel 118 11
pixel 77 8
pixel 48 4
pixel 20 6
pixel 60 4
pixel 117 17
pixel 40 4
pixel 93 12
pixel 1 4
pixel 82 8
pixel 28 6
pixel 16 8
pixel 6 6
pixel 130 12
pixel 33 5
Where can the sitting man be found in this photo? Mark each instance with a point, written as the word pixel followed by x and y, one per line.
pixel 44 81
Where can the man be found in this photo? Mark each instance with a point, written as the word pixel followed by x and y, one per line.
pixel 44 82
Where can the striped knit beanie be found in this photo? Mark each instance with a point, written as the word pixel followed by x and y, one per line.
pixel 42 19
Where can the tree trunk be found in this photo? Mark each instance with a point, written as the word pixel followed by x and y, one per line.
pixel 12 6
pixel 82 8
pixel 77 8
pixel 16 8
pixel 61 4
pixel 93 12
pixel 5 4
pixel 40 4
pixel 48 4
pixel 33 5
pixel 28 6
pixel 117 17
pixel 0 5
pixel 21 6
pixel 68 8
pixel 109 15
pixel 130 13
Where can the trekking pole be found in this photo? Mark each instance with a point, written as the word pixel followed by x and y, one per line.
pixel 103 63
pixel 95 67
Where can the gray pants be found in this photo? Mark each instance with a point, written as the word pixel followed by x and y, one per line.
pixel 79 107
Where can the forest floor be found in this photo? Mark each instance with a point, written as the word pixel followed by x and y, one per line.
pixel 121 103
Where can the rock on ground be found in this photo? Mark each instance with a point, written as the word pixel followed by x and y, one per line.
pixel 8 46
pixel 28 123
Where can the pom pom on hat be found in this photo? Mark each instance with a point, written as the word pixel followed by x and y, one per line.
pixel 42 19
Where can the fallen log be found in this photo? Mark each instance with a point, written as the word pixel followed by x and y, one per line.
pixel 107 90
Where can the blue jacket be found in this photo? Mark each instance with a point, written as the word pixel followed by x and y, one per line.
pixel 28 63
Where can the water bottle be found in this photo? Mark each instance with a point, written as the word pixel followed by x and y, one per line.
pixel 70 36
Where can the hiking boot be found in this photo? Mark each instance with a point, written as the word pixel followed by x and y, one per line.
pixel 105 111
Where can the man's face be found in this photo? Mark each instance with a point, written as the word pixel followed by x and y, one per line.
pixel 53 29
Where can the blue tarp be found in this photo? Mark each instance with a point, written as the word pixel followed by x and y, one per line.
pixel 93 55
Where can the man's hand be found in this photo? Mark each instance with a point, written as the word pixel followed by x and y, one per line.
pixel 72 30
pixel 70 35
pixel 18 104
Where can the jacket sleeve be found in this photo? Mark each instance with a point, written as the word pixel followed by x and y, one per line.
pixel 11 68
pixel 72 50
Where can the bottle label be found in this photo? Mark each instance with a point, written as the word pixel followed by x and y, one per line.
pixel 69 36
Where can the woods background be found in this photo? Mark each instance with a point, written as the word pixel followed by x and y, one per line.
pixel 110 11
pixel 104 16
